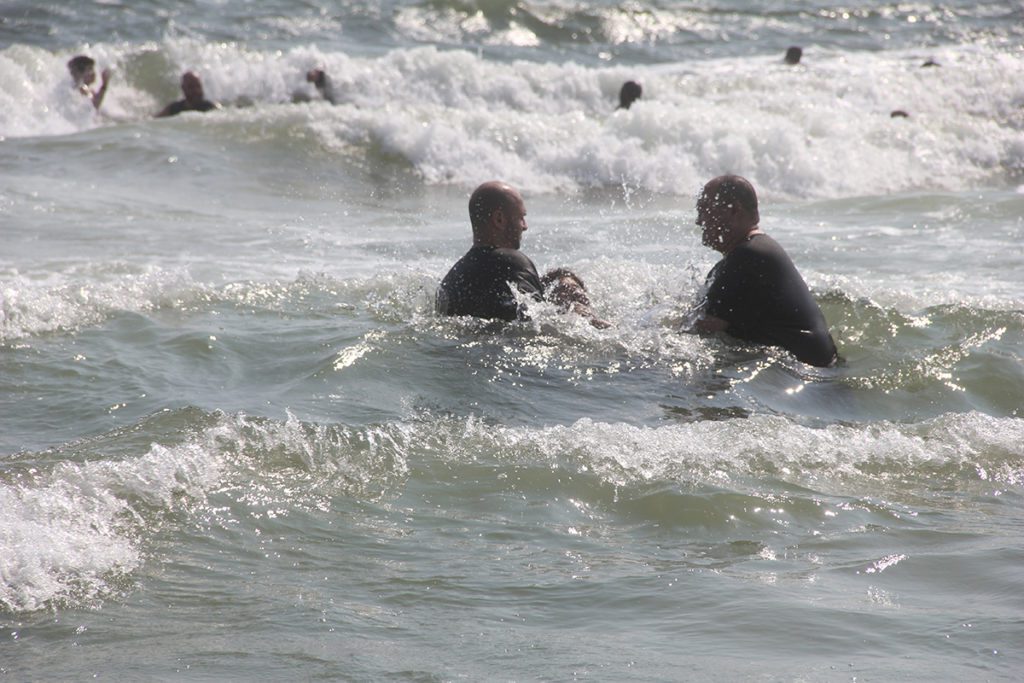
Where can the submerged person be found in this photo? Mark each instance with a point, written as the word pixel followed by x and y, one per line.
pixel 192 89
pixel 755 292
pixel 83 74
pixel 629 93
pixel 323 84
pixel 565 289
pixel 480 283
pixel 793 55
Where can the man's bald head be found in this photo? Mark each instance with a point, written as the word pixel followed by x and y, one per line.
pixel 497 214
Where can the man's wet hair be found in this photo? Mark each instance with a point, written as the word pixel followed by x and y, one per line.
pixel 80 63
pixel 734 188
pixel 487 199
pixel 794 54
pixel 558 274
pixel 629 93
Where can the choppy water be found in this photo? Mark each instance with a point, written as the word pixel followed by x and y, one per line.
pixel 236 442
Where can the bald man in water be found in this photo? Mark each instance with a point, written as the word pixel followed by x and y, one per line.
pixel 755 292
pixel 480 283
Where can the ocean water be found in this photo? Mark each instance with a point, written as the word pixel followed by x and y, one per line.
pixel 236 442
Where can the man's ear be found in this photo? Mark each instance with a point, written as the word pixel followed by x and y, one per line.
pixel 498 217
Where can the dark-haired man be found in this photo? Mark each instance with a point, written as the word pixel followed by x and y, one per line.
pixel 755 292
pixel 479 284
pixel 83 72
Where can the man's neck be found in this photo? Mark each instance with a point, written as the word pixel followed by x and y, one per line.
pixel 739 238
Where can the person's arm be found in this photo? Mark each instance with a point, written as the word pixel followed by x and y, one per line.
pixel 97 98
pixel 709 323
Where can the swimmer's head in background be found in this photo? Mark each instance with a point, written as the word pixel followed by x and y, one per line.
pixel 317 77
pixel 793 55
pixel 629 93
pixel 82 69
pixel 191 86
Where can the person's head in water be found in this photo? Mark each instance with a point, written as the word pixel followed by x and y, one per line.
pixel 793 55
pixel 727 212
pixel 318 77
pixel 82 69
pixel 629 93
pixel 566 290
pixel 564 287
pixel 498 215
pixel 191 87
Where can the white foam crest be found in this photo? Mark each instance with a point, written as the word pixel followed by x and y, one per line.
pixel 69 536
pixel 821 131
pixel 818 130
pixel 73 534
pixel 719 452
pixel 70 301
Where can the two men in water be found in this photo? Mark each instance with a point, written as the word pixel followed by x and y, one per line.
pixel 754 293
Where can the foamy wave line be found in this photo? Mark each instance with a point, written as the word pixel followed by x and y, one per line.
pixel 982 448
pixel 72 535
pixel 818 131
pixel 28 308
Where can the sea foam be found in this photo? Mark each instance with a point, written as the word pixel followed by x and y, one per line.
pixel 818 130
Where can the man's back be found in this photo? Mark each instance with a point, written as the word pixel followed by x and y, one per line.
pixel 478 284
pixel 757 289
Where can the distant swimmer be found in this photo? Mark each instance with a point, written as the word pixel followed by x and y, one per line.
pixel 755 292
pixel 898 114
pixel 793 55
pixel 194 100
pixel 929 63
pixel 629 93
pixel 322 82
pixel 83 73
pixel 566 290
pixel 480 283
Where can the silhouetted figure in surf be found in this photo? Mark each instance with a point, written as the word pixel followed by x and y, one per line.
pixel 322 82
pixel 930 63
pixel 755 292
pixel 898 114
pixel 629 93
pixel 83 73
pixel 793 55
pixel 192 89
pixel 481 283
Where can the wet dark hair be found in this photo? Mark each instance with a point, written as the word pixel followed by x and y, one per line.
pixel 734 188
pixel 630 93
pixel 80 63
pixel 794 54
pixel 556 274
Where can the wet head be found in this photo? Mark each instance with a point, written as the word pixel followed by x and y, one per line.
pixel 498 215
pixel 727 211
pixel 192 87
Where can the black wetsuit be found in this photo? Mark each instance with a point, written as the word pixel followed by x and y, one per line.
pixel 758 291
pixel 478 284
pixel 175 108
